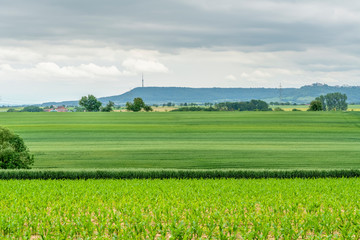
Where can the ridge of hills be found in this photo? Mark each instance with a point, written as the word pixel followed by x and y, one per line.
pixel 160 95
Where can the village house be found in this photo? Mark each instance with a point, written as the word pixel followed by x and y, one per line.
pixel 58 109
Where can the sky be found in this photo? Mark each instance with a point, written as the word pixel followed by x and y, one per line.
pixel 53 50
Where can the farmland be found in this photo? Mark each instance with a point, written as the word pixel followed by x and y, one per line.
pixel 180 209
pixel 191 140
pixel 184 145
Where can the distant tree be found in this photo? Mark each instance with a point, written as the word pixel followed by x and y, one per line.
pixel 32 109
pixel 148 108
pixel 316 105
pixel 79 109
pixel 278 109
pixel 333 102
pixel 90 103
pixel 13 152
pixel 296 110
pixel 11 110
pixel 137 105
pixel 322 101
pixel 253 105
pixel 108 107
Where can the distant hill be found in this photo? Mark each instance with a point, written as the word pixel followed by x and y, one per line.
pixel 159 95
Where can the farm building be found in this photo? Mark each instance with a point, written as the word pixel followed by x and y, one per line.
pixel 58 109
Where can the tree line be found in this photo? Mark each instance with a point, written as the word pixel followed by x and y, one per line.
pixel 91 104
pixel 253 105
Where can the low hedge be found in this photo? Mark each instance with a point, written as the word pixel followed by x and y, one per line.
pixel 172 173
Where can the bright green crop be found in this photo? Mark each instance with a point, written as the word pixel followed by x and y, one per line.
pixel 190 140
pixel 180 209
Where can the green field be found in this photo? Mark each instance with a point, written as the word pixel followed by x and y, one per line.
pixel 191 140
pixel 180 209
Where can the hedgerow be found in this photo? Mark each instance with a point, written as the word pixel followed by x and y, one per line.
pixel 171 173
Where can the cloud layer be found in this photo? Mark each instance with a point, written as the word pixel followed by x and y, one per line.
pixel 64 49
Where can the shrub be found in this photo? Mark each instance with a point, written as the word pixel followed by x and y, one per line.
pixel 109 107
pixel 32 109
pixel 13 152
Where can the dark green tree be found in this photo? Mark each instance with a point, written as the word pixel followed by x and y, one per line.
pixel 108 107
pixel 316 105
pixel 137 105
pixel 13 152
pixel 148 108
pixel 90 103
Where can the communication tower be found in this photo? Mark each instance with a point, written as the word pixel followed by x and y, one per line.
pixel 142 79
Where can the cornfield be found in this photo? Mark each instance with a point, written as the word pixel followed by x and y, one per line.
pixel 180 209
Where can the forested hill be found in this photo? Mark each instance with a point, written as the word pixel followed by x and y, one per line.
pixel 158 95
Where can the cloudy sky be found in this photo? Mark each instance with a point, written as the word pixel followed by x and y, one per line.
pixel 52 50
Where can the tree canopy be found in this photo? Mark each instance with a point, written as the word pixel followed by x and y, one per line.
pixel 333 102
pixel 13 152
pixel 137 105
pixel 316 105
pixel 90 103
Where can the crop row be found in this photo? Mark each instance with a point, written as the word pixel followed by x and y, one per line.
pixel 180 209
pixel 173 173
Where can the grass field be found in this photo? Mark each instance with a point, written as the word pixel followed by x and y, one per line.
pixel 180 209
pixel 191 140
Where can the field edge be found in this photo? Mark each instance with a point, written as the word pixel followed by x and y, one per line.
pixel 175 173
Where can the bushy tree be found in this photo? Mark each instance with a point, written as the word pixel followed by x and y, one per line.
pixel 90 103
pixel 137 105
pixel 316 105
pixel 13 152
pixel 108 107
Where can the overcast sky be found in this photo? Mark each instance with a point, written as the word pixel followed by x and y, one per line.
pixel 53 50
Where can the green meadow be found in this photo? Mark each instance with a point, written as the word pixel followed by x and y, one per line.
pixel 191 140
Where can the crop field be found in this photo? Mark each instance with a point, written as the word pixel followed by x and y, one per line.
pixel 191 140
pixel 180 209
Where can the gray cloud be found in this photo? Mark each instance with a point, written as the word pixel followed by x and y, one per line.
pixel 64 49
pixel 179 24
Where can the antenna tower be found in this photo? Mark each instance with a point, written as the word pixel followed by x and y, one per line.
pixel 142 78
pixel 280 92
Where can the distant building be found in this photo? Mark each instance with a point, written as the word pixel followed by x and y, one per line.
pixel 58 109
pixel 61 109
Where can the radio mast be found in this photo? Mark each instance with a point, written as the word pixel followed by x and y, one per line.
pixel 142 78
